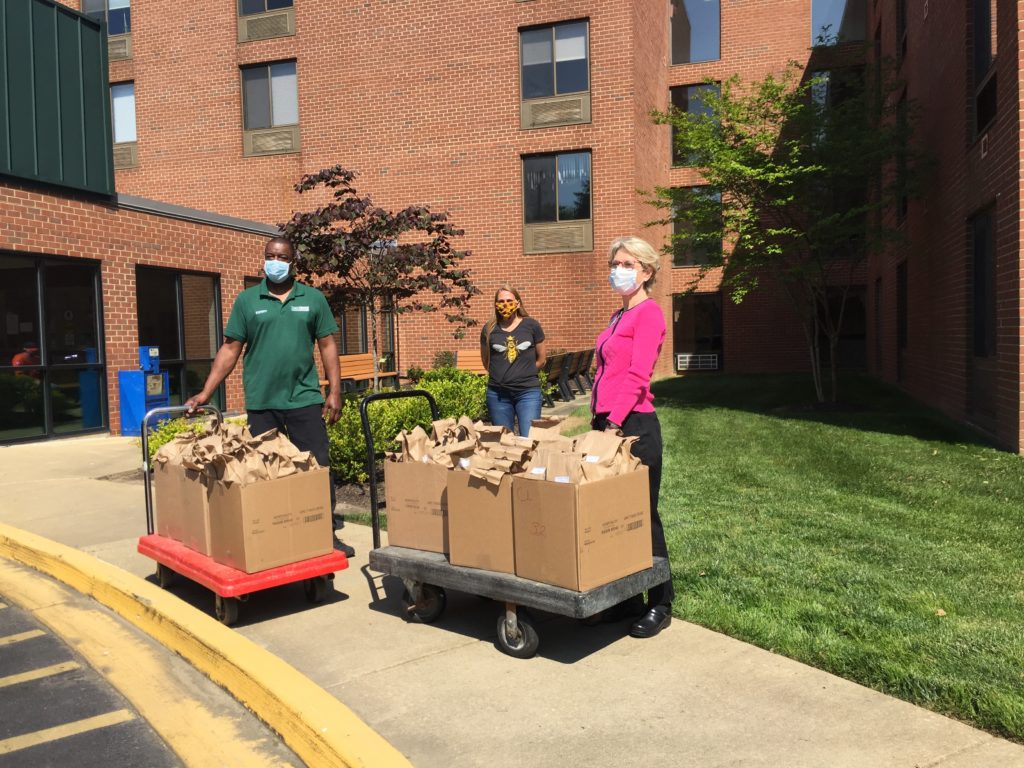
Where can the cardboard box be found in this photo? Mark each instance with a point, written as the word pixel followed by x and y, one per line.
pixel 416 495
pixel 272 522
pixel 480 532
pixel 582 536
pixel 182 508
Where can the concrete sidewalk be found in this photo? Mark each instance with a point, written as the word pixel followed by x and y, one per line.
pixel 444 696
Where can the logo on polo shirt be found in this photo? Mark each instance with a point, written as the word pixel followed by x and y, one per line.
pixel 260 312
pixel 299 309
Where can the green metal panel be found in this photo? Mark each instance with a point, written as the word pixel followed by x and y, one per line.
pixel 72 138
pixel 54 97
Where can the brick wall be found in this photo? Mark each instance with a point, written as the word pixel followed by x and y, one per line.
pixel 971 173
pixel 38 220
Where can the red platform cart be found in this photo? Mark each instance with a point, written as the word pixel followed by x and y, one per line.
pixel 230 586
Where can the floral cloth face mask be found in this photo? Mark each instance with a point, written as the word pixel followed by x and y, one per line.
pixel 506 307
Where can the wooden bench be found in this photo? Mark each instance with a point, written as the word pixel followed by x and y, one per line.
pixel 357 372
pixel 470 360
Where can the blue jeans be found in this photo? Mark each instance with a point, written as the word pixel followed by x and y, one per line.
pixel 507 405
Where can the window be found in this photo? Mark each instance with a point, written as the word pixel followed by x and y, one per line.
pixel 696 31
pixel 901 27
pixel 264 19
pixel 179 312
pixel 697 332
pixel 52 370
pixel 122 108
pixel 270 107
pixel 554 75
pixel 903 203
pixel 122 111
pixel 983 44
pixel 838 21
pixel 249 7
pixel 690 246
pixel 983 283
pixel 117 15
pixel 901 321
pixel 687 98
pixel 556 202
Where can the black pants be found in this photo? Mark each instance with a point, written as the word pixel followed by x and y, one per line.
pixel 305 427
pixel 648 449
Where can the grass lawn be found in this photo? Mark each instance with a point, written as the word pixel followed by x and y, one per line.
pixel 880 542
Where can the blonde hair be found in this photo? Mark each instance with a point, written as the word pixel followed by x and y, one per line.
pixel 640 250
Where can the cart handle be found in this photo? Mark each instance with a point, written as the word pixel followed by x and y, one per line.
pixel 146 479
pixel 371 454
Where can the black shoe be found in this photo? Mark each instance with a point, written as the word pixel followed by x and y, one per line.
pixel 652 622
pixel 341 546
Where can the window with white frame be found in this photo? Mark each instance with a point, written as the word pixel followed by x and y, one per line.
pixel 270 108
pixel 555 74
pixel 557 202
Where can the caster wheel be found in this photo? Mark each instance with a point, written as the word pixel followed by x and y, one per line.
pixel 316 589
pixel 431 605
pixel 164 576
pixel 226 609
pixel 524 645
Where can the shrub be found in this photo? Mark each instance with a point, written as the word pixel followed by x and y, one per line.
pixel 166 431
pixel 457 393
pixel 414 374
pixel 444 359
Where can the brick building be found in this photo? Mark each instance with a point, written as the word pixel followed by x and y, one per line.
pixel 460 106
pixel 944 312
pixel 528 120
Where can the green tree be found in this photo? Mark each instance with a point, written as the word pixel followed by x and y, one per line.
pixel 362 255
pixel 812 173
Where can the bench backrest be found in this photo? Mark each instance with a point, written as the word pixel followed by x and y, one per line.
pixel 470 360
pixel 359 366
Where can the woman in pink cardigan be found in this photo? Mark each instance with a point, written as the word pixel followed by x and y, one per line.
pixel 621 399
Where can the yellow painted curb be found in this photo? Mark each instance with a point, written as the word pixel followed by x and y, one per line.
pixel 316 726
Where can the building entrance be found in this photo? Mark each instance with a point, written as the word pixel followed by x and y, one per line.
pixel 52 371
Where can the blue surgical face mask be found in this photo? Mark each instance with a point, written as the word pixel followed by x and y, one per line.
pixel 276 271
pixel 622 280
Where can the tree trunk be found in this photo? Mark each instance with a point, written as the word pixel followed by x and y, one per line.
pixel 833 346
pixel 811 334
pixel 373 336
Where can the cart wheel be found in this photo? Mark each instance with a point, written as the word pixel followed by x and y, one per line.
pixel 164 576
pixel 431 605
pixel 316 589
pixel 522 647
pixel 226 609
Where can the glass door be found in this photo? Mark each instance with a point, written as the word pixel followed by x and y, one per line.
pixel 52 372
pixel 179 312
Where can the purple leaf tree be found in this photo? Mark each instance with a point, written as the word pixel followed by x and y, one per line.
pixel 362 255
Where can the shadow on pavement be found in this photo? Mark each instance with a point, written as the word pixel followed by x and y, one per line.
pixel 562 639
pixel 265 605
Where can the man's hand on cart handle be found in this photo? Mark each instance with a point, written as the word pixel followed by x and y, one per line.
pixel 195 401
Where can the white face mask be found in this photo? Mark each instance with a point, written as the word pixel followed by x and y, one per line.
pixel 622 280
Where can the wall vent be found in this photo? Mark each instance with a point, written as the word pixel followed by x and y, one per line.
pixel 271 141
pixel 561 110
pixel 126 155
pixel 692 362
pixel 119 47
pixel 559 237
pixel 266 25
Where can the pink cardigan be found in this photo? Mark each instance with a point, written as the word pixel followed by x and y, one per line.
pixel 626 353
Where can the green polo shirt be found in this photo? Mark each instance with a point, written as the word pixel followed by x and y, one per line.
pixel 279 370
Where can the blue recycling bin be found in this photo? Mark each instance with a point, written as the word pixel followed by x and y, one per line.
pixel 142 390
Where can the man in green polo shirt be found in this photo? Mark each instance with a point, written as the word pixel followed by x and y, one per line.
pixel 277 322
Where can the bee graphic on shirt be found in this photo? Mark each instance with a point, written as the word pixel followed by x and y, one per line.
pixel 510 349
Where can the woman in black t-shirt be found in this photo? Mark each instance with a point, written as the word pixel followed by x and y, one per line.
pixel 512 349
